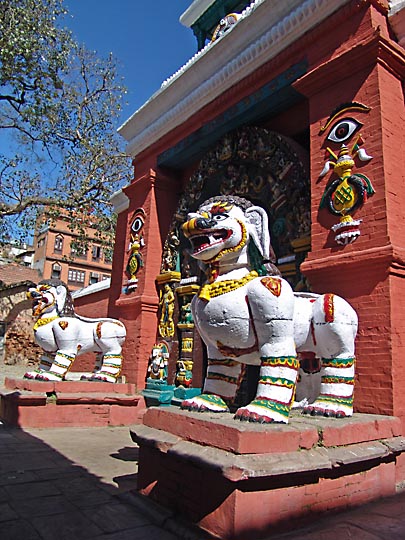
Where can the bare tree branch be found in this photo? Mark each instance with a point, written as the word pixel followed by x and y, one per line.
pixel 60 102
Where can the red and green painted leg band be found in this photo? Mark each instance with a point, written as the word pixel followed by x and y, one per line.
pixel 221 384
pixel 44 366
pixel 45 362
pixel 276 388
pixel 110 368
pixel 337 384
pixel 60 366
pixel 98 362
pixel 223 378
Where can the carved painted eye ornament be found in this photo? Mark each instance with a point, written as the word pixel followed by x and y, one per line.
pixel 137 225
pixel 348 190
pixel 219 217
pixel 138 220
pixel 343 130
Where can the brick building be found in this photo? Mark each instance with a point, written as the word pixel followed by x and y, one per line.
pixel 56 257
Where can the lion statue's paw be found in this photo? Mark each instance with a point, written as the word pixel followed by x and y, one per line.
pixel 205 402
pixel 40 375
pixel 48 377
pixel 328 409
pixel 263 411
pixel 32 374
pixel 103 377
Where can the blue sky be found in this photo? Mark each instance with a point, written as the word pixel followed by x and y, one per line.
pixel 145 36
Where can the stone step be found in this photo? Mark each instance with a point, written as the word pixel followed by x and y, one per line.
pixel 220 430
pixel 236 467
pixel 244 480
pixel 60 398
pixel 26 403
pixel 78 387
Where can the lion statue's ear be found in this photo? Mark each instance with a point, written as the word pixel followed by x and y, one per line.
pixel 61 297
pixel 258 227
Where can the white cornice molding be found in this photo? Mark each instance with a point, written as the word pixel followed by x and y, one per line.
pixel 397 19
pixel 261 25
pixel 396 5
pixel 267 29
pixel 94 288
pixel 119 201
pixel 194 12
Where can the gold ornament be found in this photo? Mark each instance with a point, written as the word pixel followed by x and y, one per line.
pixel 211 290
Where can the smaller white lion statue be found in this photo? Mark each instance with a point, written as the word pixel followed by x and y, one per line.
pixel 64 335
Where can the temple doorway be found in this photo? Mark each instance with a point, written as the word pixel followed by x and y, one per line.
pixel 271 171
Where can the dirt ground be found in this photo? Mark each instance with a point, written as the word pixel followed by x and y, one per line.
pixel 15 370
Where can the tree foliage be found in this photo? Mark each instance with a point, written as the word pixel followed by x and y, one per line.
pixel 59 106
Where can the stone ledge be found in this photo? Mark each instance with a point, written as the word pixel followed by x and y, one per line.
pixel 395 444
pixel 47 409
pixel 221 431
pixel 161 440
pixel 87 387
pixel 237 467
pixel 31 398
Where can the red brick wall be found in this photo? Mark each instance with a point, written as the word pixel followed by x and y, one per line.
pixel 231 509
pixel 157 194
pixel 368 272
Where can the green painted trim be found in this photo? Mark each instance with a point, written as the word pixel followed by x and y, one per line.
pixel 272 98
pixel 205 25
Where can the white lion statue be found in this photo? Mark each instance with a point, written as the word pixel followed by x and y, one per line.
pixel 247 314
pixel 64 335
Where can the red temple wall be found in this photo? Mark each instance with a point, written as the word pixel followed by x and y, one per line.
pixel 346 63
pixel 157 194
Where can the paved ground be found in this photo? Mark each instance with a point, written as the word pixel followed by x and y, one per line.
pixel 79 483
pixel 76 483
pixel 73 484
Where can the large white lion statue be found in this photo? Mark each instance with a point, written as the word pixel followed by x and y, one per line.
pixel 247 314
pixel 63 335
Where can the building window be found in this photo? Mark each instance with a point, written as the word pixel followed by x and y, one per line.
pixel 56 271
pixel 96 253
pixel 58 245
pixel 108 255
pixel 94 278
pixel 77 251
pixel 76 277
pixel 105 277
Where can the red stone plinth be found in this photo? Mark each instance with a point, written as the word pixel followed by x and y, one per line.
pixel 30 403
pixel 242 480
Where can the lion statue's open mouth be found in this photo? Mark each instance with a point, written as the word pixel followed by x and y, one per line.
pixel 211 238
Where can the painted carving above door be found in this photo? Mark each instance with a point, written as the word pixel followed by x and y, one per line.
pixel 268 169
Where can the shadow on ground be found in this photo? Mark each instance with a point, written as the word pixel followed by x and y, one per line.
pixel 45 495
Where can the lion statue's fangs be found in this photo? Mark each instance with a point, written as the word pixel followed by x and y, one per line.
pixel 64 335
pixel 247 314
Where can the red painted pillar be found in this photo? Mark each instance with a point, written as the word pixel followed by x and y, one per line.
pixel 369 272
pixel 156 193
